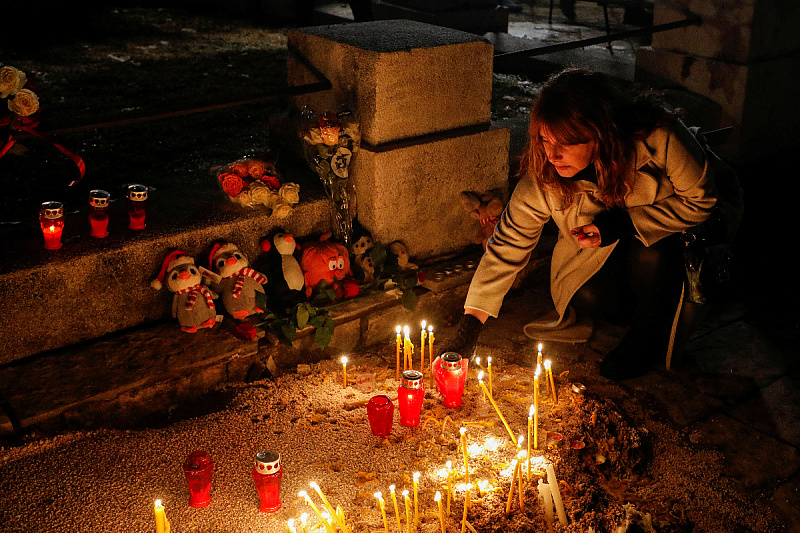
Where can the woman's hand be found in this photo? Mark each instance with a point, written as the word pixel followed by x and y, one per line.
pixel 588 235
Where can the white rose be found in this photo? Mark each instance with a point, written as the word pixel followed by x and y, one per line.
pixel 281 210
pixel 11 81
pixel 24 103
pixel 289 193
pixel 261 194
pixel 244 198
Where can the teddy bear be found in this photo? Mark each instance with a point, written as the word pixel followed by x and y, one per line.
pixel 239 283
pixel 327 261
pixel 486 208
pixel 193 303
pixel 286 284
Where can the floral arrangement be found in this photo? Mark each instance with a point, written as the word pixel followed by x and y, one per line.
pixel 329 145
pixel 23 112
pixel 253 182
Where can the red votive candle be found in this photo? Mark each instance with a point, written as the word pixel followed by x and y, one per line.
pixel 380 411
pixel 98 217
pixel 137 206
pixel 267 474
pixel 199 469
pixel 450 373
pixel 51 219
pixel 410 395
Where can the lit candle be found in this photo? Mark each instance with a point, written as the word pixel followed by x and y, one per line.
pixel 396 513
pixel 556 493
pixel 162 524
pixel 379 496
pixel 304 494
pixel 430 342
pixel 549 371
pixel 547 503
pixel 408 510
pixel 489 368
pixel 438 499
pixel 422 349
pixel 463 432
pixel 344 372
pixel 497 409
pixel 536 408
pixel 408 350
pixel 511 488
pixel 467 486
pixel 399 343
pixel 530 426
pixel 539 356
pixel 416 503
pixel 325 501
pixel 449 484
pixel 303 521
pixel 520 459
pixel 290 525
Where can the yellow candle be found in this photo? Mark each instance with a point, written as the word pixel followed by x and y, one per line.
pixel 290 525
pixel 430 350
pixel 530 427
pixel 408 510
pixel 489 368
pixel 497 409
pixel 379 496
pixel 464 448
pixel 539 356
pixel 304 494
pixel 162 524
pixel 549 371
pixel 344 371
pixel 396 513
pixel 416 503
pixel 438 499
pixel 422 349
pixel 449 484
pixel 467 486
pixel 408 350
pixel 536 407
pixel 399 343
pixel 520 458
pixel 511 489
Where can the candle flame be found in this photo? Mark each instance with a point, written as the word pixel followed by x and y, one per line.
pixel 344 360
pixel 379 496
pixel 313 485
pixel 430 329
pixel 480 376
pixel 290 523
pixel 538 371
pixel 405 331
pixel 423 324
pixel 449 465
pixel 405 493
pixel 462 430
pixel 547 364
pixel 520 439
pixel 532 411
pixel 474 449
pixel 437 496
pixel 304 518
pixel 416 477
pixel 303 494
pixel 478 361
pixel 489 360
pixel 443 472
pixel 158 503
pixel 540 346
pixel 398 329
pixel 391 489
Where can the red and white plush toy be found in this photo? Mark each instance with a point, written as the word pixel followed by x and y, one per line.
pixel 239 283
pixel 193 303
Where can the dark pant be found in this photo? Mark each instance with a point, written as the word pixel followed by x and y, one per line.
pixel 638 285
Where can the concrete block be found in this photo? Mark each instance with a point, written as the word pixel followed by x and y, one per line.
pixel 410 192
pixel 403 78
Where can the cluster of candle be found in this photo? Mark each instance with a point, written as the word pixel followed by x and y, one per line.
pixel 405 346
pixel 51 215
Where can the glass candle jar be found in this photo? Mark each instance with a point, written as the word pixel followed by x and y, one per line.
pixel 450 373
pixel 137 206
pixel 267 474
pixel 380 411
pixel 410 395
pixel 98 217
pixel 51 219
pixel 199 469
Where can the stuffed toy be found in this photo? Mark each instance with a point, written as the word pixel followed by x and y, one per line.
pixel 327 261
pixel 486 208
pixel 399 251
pixel 362 257
pixel 286 283
pixel 239 283
pixel 193 303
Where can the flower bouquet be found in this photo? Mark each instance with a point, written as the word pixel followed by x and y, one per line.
pixel 329 144
pixel 23 113
pixel 253 182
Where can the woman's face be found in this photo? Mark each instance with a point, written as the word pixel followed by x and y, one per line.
pixel 568 159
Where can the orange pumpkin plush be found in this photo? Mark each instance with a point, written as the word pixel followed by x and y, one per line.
pixel 327 261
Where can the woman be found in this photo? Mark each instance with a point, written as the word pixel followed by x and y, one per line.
pixel 621 177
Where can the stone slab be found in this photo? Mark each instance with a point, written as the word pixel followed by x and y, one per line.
pixel 767 462
pixel 692 407
pixel 402 78
pixel 89 289
pixel 411 192
pixel 775 410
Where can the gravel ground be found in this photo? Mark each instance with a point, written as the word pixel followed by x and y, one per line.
pixel 107 480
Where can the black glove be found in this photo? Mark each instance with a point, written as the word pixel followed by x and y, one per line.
pixel 466 339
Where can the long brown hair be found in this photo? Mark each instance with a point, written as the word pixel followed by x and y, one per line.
pixel 579 105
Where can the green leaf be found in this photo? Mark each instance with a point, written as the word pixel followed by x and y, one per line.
pixel 409 299
pixel 378 254
pixel 317 321
pixel 323 337
pixel 289 331
pixel 301 316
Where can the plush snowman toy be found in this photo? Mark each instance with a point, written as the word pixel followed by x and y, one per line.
pixel 193 303
pixel 239 283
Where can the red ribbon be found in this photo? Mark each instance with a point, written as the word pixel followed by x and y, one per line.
pixel 28 125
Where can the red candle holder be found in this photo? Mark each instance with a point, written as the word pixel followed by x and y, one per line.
pixel 380 411
pixel 267 474
pixel 450 373
pixel 98 217
pixel 137 206
pixel 410 395
pixel 199 469
pixel 51 219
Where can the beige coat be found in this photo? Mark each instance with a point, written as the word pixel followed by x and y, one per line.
pixel 672 191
